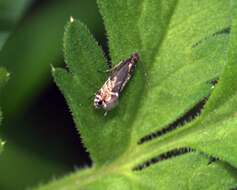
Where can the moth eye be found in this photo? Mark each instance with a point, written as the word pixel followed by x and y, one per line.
pixel 99 103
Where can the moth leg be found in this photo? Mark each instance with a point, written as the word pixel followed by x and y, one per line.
pixel 105 114
pixel 114 94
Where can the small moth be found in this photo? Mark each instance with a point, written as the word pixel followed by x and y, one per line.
pixel 107 96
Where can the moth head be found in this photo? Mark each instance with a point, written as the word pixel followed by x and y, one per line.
pixel 98 102
pixel 135 57
pixel 106 104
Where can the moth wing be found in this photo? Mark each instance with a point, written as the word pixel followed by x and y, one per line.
pixel 120 74
pixel 124 84
pixel 120 78
pixel 117 67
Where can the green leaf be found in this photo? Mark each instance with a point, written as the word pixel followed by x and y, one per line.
pixel 174 55
pixel 215 130
pixel 183 47
pixel 190 171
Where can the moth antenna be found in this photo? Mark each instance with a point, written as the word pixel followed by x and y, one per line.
pixel 103 72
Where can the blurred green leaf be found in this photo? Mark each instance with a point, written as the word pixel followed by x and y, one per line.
pixel 35 45
pixel 10 13
pixel 17 158
pixel 11 10
pixel 4 76
pixel 32 47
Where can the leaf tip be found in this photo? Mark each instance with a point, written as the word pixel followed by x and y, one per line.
pixel 52 68
pixel 8 75
pixel 72 19
pixel 3 143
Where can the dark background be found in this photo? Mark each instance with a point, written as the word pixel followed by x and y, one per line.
pixel 41 140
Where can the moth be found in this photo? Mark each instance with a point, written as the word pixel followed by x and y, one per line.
pixel 107 96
